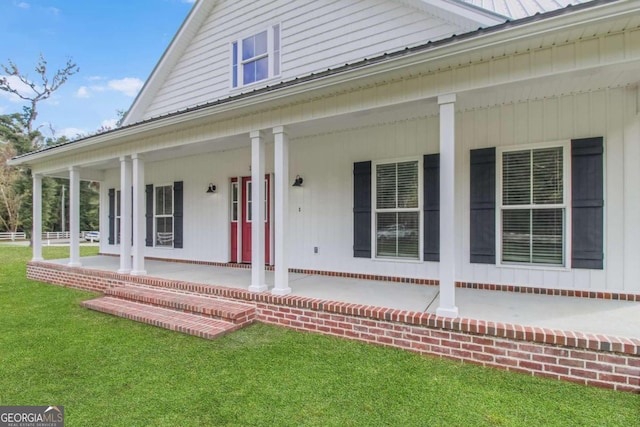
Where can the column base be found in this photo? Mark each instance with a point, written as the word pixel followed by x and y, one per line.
pixel 258 288
pixel 451 312
pixel 39 258
pixel 138 272
pixel 124 271
pixel 281 291
pixel 74 264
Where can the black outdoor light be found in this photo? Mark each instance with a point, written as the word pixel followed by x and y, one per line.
pixel 211 189
pixel 298 182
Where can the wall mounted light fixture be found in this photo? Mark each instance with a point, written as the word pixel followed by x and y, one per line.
pixel 298 182
pixel 211 189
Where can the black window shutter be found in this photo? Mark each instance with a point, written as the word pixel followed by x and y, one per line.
pixel 112 215
pixel 177 214
pixel 431 189
pixel 587 203
pixel 362 209
pixel 482 233
pixel 149 214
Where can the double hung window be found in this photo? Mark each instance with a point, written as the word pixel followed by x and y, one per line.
pixel 255 58
pixel 397 210
pixel 163 216
pixel 533 206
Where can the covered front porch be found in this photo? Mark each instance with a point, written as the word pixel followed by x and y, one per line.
pixel 592 341
pixel 598 316
pixel 431 112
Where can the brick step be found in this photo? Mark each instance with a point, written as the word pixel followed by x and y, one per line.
pixel 191 324
pixel 219 308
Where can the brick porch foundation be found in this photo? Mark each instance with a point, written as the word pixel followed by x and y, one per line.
pixel 596 360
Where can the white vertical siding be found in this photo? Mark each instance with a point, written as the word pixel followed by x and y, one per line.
pixel 608 113
pixel 321 211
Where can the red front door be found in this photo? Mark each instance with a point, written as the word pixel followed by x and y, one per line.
pixel 242 194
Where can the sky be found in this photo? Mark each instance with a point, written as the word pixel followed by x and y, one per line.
pixel 115 43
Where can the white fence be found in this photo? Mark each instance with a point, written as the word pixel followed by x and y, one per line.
pixel 13 236
pixel 49 235
pixel 53 235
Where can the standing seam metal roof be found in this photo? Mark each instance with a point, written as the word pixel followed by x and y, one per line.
pixel 518 9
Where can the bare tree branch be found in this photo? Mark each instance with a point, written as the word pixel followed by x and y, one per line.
pixel 41 91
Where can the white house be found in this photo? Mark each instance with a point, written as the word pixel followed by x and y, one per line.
pixel 468 142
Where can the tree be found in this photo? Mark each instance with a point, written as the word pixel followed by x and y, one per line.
pixel 18 136
pixel 33 92
pixel 13 130
pixel 10 199
pixel 14 182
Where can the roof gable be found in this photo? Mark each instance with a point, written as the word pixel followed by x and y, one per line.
pixel 315 36
pixel 171 55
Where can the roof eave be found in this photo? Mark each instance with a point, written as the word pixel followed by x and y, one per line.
pixel 192 22
pixel 456 45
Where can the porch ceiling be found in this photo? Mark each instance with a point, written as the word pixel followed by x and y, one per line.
pixel 552 85
pixel 336 123
pixel 581 81
pixel 623 74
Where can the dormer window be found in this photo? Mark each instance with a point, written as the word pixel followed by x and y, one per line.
pixel 255 58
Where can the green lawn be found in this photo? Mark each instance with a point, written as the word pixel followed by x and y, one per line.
pixel 112 372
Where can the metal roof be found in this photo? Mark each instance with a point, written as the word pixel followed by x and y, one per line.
pixel 518 9
pixel 560 10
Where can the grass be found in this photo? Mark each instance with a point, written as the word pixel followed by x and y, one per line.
pixel 108 371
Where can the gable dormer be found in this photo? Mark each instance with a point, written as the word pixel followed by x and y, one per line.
pixel 228 47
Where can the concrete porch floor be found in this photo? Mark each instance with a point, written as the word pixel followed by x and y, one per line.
pixel 595 316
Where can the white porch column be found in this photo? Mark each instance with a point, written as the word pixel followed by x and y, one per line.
pixel 258 282
pixel 138 216
pixel 447 306
pixel 36 230
pixel 281 187
pixel 125 215
pixel 74 216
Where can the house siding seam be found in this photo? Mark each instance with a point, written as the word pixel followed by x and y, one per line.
pixel 593 360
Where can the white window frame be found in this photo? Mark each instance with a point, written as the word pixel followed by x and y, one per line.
pixel 156 216
pixel 248 200
pixel 274 56
pixel 566 204
pixel 375 210
pixel 236 202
